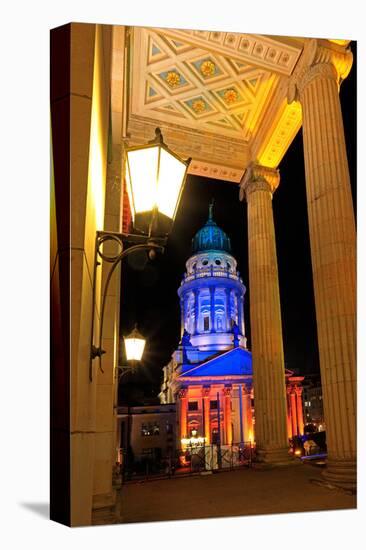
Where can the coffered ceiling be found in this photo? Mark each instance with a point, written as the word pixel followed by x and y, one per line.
pixel 209 85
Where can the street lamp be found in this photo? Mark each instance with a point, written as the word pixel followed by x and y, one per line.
pixel 155 179
pixel 134 345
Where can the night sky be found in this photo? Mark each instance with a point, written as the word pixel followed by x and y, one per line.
pixel 149 292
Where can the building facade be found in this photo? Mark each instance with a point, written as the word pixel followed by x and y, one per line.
pixel 146 432
pixel 210 375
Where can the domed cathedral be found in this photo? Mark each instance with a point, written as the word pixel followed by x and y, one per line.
pixel 210 375
pixel 212 292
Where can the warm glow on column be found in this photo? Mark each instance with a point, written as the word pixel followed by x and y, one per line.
pixel 171 178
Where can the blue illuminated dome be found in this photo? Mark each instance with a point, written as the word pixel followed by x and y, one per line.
pixel 212 292
pixel 211 237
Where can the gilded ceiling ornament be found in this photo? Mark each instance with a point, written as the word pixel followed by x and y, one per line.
pixel 208 68
pixel 198 106
pixel 173 79
pixel 230 96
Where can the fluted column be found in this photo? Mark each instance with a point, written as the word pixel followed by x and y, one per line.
pixel 300 416
pixel 183 399
pixel 333 248
pixel 206 408
pixel 257 187
pixel 212 308
pixel 242 412
pixel 196 297
pixel 249 431
pixel 228 315
pixel 182 314
pixel 237 298
pixel 293 413
pixel 289 419
pixel 227 416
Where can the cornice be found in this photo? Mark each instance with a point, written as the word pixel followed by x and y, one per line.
pixel 320 58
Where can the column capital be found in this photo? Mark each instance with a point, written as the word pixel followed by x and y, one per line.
pixel 258 178
pixel 182 393
pixel 206 392
pixel 227 391
pixel 298 390
pixel 320 58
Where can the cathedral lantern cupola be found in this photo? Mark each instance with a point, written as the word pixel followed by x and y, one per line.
pixel 212 292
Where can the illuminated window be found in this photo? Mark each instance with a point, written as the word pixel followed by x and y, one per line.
pixel 193 405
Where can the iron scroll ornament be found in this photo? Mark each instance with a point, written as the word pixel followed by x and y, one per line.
pixel 152 245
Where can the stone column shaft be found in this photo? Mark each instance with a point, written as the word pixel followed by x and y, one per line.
pixel 333 250
pixel 206 407
pixel 289 419
pixel 212 308
pixel 196 298
pixel 242 412
pixel 228 316
pixel 293 414
pixel 183 413
pixel 300 416
pixel 265 316
pixel 227 416
pixel 249 431
pixel 182 314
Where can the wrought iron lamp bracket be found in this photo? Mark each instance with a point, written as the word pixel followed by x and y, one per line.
pixel 134 243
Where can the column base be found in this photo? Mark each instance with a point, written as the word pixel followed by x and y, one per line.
pixel 106 508
pixel 276 457
pixel 342 474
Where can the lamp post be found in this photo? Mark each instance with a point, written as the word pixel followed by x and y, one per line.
pixel 135 345
pixel 155 178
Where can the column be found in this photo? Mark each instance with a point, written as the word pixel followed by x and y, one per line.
pixel 257 187
pixel 289 419
pixel 183 400
pixel 240 312
pixel 206 409
pixel 196 310
pixel 227 416
pixel 228 316
pixel 333 248
pixel 251 434
pixel 299 409
pixel 182 314
pixel 293 413
pixel 212 308
pixel 242 412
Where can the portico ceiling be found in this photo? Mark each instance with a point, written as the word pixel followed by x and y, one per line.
pixel 219 97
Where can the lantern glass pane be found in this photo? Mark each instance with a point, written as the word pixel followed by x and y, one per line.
pixel 141 180
pixel 171 175
pixel 134 348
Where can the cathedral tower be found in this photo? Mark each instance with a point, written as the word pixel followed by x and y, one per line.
pixel 212 292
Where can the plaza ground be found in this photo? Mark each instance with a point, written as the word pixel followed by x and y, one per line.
pixel 234 493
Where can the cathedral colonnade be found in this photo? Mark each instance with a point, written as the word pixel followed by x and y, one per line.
pixel 333 248
pixel 333 254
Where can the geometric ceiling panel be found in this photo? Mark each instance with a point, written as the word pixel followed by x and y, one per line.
pixel 177 82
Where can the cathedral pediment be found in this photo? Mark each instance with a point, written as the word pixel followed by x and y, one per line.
pixel 234 362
